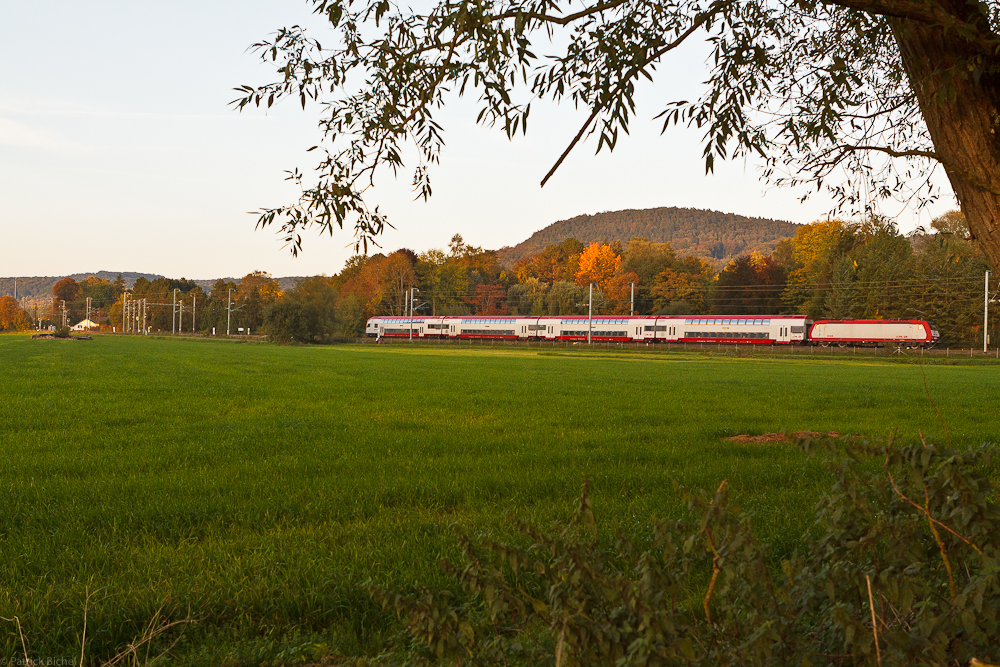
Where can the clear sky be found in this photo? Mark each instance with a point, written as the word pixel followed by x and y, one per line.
pixel 119 151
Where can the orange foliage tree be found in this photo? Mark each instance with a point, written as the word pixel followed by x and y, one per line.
pixel 489 300
pixel 598 264
pixel 618 293
pixel 12 316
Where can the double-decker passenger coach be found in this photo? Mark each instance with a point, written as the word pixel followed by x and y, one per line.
pixel 756 329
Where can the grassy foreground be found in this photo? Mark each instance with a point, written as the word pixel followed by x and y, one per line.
pixel 255 488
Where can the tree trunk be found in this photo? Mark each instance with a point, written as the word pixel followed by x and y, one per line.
pixel 962 116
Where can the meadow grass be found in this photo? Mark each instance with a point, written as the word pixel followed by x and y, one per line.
pixel 256 487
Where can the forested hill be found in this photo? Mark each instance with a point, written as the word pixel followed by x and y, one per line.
pixel 709 234
pixel 41 286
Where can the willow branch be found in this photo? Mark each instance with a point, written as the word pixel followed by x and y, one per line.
pixel 600 105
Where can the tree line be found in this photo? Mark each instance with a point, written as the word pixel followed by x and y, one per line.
pixel 828 270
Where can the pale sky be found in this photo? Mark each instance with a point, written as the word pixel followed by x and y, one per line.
pixel 119 151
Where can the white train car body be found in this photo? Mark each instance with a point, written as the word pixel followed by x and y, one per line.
pixel 603 328
pixel 756 329
pixel 396 327
pixel 874 332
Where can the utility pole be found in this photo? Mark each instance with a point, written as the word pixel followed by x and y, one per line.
pixel 412 290
pixel 144 317
pixel 124 306
pixel 229 310
pixel 88 311
pixel 194 309
pixel 173 314
pixel 631 308
pixel 180 317
pixel 590 315
pixel 64 311
pixel 986 312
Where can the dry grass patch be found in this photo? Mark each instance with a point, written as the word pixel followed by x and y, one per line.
pixel 769 438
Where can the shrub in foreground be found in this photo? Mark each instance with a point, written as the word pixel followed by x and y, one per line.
pixel 901 569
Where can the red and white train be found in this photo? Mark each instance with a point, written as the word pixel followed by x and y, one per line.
pixel 742 329
pixel 873 332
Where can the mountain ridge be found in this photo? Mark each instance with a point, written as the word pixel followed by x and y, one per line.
pixel 35 287
pixel 714 235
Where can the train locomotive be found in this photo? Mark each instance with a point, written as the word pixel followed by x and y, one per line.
pixel 729 329
pixel 873 332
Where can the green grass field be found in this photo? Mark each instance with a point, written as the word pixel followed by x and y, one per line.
pixel 256 488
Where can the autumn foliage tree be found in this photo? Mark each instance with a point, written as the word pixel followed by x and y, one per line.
pixel 489 300
pixel 598 265
pixel 12 316
pixel 750 285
